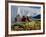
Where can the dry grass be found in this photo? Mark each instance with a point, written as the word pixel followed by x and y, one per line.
pixel 34 25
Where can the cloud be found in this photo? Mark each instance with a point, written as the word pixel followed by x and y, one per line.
pixel 28 11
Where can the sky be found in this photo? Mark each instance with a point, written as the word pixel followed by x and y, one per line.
pixel 24 10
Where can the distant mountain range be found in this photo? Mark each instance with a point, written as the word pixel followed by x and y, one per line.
pixel 37 16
